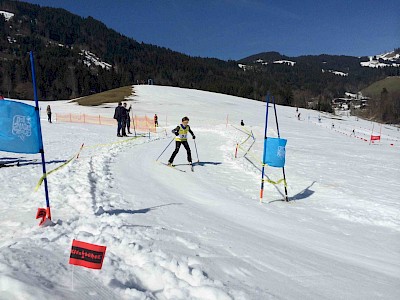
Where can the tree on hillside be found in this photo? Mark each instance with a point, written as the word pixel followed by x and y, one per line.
pixel 396 107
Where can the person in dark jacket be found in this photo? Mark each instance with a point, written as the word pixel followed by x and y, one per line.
pixel 181 132
pixel 120 116
pixel 48 110
pixel 155 120
pixel 128 118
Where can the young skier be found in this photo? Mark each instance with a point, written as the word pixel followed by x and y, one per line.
pixel 181 133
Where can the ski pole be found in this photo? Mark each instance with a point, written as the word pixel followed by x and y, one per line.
pixel 134 127
pixel 195 146
pixel 165 148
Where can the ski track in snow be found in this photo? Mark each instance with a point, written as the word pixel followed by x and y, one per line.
pixel 203 235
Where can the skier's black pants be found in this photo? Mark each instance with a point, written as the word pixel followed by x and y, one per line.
pixel 177 146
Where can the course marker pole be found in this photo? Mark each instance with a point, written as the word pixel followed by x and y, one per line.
pixel 46 189
pixel 265 137
pixel 279 136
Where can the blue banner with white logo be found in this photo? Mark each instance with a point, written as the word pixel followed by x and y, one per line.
pixel 274 154
pixel 19 128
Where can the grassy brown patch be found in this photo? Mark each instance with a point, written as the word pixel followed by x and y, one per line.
pixel 111 96
pixel 392 84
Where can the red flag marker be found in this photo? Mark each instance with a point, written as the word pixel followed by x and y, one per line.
pixel 41 213
pixel 87 255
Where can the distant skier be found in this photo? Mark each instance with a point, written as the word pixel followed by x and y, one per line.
pixel 241 123
pixel 128 118
pixel 48 110
pixel 155 120
pixel 298 116
pixel 333 126
pixel 319 119
pixel 181 133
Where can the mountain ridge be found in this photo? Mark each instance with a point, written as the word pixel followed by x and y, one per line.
pixel 78 56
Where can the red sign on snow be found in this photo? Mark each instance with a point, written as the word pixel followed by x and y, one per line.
pixel 375 137
pixel 87 255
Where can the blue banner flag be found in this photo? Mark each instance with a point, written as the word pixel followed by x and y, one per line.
pixel 274 154
pixel 19 128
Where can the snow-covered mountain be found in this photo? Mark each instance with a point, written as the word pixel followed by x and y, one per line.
pixel 338 65
pixel 389 59
pixel 174 234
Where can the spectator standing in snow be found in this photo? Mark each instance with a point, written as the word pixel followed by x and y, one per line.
pixel 120 116
pixel 181 132
pixel 155 120
pixel 128 118
pixel 48 110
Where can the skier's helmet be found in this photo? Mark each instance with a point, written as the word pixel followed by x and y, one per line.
pixel 185 119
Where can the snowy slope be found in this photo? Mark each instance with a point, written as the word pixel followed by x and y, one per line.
pixel 204 235
pixel 7 15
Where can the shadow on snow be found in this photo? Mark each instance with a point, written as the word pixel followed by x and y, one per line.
pixel 133 211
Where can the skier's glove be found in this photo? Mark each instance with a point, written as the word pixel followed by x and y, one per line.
pixel 194 137
pixel 176 133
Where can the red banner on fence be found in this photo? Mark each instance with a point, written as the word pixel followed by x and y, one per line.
pixel 87 255
pixel 375 137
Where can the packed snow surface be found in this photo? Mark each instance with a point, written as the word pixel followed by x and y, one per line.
pixel 174 234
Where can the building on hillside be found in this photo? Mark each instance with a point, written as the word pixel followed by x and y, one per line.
pixel 350 101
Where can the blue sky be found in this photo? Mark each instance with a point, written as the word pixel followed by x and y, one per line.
pixel 234 29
